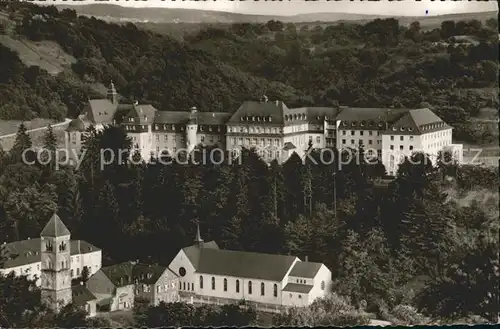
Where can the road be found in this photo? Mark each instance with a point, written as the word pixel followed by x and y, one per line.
pixel 66 121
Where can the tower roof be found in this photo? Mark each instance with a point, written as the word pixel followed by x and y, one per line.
pixel 55 228
pixel 198 238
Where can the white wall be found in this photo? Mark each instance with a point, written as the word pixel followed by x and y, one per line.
pixel 323 275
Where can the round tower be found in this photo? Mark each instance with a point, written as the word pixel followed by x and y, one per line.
pixel 191 130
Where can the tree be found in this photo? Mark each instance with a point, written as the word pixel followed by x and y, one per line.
pixel 21 144
pixel 50 146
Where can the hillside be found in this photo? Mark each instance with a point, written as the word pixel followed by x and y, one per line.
pixel 116 13
pixel 222 65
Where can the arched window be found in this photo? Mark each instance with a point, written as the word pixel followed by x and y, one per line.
pixel 201 281
pixel 237 285
pixel 275 290
pixel 225 284
pixel 249 287
pixel 213 283
pixel 322 285
pixel 262 289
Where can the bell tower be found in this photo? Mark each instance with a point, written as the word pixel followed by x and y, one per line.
pixel 111 94
pixel 55 264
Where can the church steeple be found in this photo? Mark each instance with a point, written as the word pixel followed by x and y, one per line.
pixel 198 240
pixel 111 94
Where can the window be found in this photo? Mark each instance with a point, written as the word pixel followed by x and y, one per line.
pixel 201 282
pixel 370 133
pixel 344 132
pixel 318 140
pixel 237 285
pixel 192 286
pixel 184 286
pixel 202 138
pixel 401 138
pixel 352 141
pixel 392 147
pixel 322 285
pixel 72 273
pixel 300 296
pixel 182 271
pixel 400 147
pixel 392 138
pixel 225 284
pixel 77 272
pixel 370 142
pixel 275 288
pixel 262 289
pixel 361 133
pixel 411 147
pixel 343 141
pixel 411 138
pixel 213 283
pixel 249 287
pixel 352 132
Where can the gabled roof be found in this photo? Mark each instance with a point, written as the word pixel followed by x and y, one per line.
pixel 296 287
pixel 101 111
pixel 289 146
pixel 128 273
pixel 252 109
pixel 81 295
pixel 55 228
pixel 142 114
pixel 241 264
pixel 25 252
pixel 193 252
pixel 305 269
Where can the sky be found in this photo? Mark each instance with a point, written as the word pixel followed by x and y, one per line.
pixel 294 7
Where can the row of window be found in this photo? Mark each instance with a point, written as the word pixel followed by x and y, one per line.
pixel 360 142
pixel 361 132
pixel 255 130
pixel 237 286
pixel 401 147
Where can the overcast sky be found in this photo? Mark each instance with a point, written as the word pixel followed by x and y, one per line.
pixel 293 7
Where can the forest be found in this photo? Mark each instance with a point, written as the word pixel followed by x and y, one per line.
pixel 392 248
pixel 377 64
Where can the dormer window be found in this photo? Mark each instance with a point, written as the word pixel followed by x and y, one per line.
pixel 402 128
pixel 269 118
pixel 48 246
pixel 354 123
pixel 344 123
pixel 410 129
pixel 201 127
pixel 362 124
pixel 241 119
pixel 380 124
pixel 394 129
pixel 318 117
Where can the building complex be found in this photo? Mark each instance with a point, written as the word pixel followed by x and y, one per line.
pixel 201 273
pixel 270 127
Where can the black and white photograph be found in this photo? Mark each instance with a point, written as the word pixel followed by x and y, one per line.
pixel 249 163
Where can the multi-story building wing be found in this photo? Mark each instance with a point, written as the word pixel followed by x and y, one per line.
pixel 273 129
pixel 392 134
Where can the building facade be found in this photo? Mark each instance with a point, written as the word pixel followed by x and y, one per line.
pixel 52 261
pixel 208 274
pixel 273 129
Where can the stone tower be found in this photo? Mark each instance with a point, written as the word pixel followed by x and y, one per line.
pixel 55 265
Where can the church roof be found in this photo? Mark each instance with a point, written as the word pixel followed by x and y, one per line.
pixel 305 269
pixel 55 228
pixel 81 295
pixel 240 264
pixel 25 252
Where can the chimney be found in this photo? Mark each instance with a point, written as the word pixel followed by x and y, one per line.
pixel 78 245
pixel 306 258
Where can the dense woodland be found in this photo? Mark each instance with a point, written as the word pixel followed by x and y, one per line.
pixel 380 63
pixel 391 248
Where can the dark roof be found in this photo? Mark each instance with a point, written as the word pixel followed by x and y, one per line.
pixel 204 118
pixel 289 146
pixel 251 109
pixel 305 269
pixel 101 111
pixel 314 115
pixel 81 295
pixel 142 114
pixel 127 273
pixel 296 287
pixel 79 124
pixel 241 264
pixel 55 227
pixel 193 253
pixel 26 252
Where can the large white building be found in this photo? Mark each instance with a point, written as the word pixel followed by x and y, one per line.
pixel 275 130
pixel 211 275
